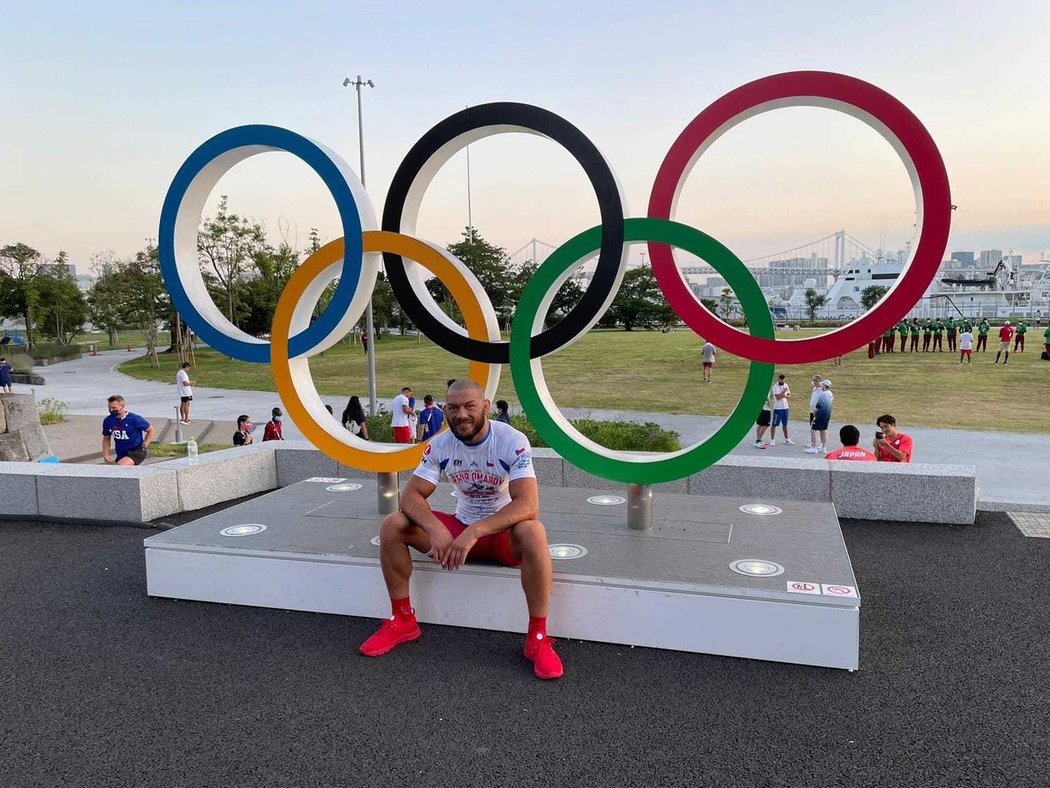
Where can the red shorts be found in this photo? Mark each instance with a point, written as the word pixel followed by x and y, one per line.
pixel 708 364
pixel 402 434
pixel 488 548
pixel 966 352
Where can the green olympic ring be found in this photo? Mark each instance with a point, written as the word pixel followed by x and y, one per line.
pixel 545 415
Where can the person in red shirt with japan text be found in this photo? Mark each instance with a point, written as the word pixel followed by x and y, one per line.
pixel 891 445
pixel 850 437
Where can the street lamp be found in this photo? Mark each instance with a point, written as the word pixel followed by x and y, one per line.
pixel 369 326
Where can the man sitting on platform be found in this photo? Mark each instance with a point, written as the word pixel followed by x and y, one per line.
pixel 496 519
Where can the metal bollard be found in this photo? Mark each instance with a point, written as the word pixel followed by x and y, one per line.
pixel 640 507
pixel 178 425
pixel 389 489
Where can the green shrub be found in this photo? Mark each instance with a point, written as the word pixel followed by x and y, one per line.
pixel 617 435
pixel 52 411
pixel 21 363
pixel 54 350
pixel 179 449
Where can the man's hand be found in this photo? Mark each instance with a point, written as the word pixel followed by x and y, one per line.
pixel 456 555
pixel 106 460
pixel 440 542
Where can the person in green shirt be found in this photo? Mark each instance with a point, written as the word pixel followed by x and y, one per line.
pixel 915 330
pixel 938 336
pixel 982 335
pixel 887 339
pixel 927 335
pixel 952 327
pixel 902 329
pixel 1022 329
pixel 1046 340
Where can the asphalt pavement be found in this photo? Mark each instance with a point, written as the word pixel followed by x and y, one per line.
pixel 100 685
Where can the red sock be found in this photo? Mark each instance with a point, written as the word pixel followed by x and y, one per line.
pixel 402 608
pixel 537 626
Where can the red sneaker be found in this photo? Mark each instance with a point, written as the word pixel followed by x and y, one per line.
pixel 546 664
pixel 393 632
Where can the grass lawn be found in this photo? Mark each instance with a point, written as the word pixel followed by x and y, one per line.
pixel 650 371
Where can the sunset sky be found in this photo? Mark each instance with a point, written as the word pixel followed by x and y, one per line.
pixel 105 101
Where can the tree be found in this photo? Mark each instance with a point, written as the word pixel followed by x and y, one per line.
pixel 639 302
pixel 20 297
pixel 132 293
pixel 226 245
pixel 490 264
pixel 870 296
pixel 814 301
pixel 62 310
pixel 725 303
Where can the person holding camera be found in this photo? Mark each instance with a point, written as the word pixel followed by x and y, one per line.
pixel 891 445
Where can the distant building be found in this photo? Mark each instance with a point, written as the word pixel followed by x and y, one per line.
pixel 53 269
pixel 990 258
pixel 966 259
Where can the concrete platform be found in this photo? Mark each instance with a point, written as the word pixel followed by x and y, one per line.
pixel 671 587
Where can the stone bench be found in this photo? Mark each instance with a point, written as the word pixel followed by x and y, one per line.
pixel 864 491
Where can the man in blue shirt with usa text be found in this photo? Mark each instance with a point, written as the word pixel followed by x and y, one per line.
pixel 131 434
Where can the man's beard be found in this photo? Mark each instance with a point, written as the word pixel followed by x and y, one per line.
pixel 479 425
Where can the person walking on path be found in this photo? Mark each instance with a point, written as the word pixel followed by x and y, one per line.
pixel 952 328
pixel 243 435
pixel 185 387
pixel 401 416
pixel 982 335
pixel 709 360
pixel 496 518
pixel 965 346
pixel 131 434
pixel 850 437
pixel 781 412
pixel 354 417
pixel 6 371
pixel 1022 329
pixel 1006 334
pixel 430 419
pixel 274 430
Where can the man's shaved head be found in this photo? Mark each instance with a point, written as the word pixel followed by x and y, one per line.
pixel 467 385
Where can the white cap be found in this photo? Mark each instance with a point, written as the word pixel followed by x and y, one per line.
pixel 1007 322
pixel 826 384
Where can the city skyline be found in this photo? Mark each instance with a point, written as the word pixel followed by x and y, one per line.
pixel 111 101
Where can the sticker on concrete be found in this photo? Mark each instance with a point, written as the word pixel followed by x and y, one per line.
pixel 325 480
pixel 849 591
pixel 799 587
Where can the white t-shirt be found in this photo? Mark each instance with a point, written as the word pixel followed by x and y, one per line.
pixel 780 404
pixel 709 353
pixel 481 472
pixel 399 418
pixel 182 383
pixel 965 341
pixel 813 398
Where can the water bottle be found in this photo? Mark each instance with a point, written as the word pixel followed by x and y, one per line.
pixel 191 449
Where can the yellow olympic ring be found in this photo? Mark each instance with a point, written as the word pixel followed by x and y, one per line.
pixel 295 386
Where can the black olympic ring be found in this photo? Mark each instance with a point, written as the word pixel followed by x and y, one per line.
pixel 439 144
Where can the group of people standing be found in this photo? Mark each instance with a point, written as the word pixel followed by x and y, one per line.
pixel 964 336
pixel 410 425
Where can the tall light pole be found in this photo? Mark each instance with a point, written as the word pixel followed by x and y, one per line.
pixel 369 326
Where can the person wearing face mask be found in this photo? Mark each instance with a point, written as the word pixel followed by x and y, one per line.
pixel 243 436
pixel 131 434
pixel 273 427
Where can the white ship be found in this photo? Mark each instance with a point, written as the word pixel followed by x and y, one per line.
pixel 1007 290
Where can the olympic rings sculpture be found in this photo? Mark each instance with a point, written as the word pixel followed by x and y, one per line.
pixel 354 261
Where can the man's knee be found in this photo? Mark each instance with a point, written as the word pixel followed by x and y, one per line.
pixel 529 537
pixel 394 526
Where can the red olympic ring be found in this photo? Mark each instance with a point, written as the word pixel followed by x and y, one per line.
pixel 855 97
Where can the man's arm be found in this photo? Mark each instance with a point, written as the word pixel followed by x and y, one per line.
pixel 407 410
pixel 151 434
pixel 105 448
pixel 524 505
pixel 415 507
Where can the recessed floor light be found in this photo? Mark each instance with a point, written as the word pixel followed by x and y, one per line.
pixel 566 552
pixel 247 529
pixel 606 500
pixel 756 567
pixel 374 540
pixel 762 509
pixel 343 487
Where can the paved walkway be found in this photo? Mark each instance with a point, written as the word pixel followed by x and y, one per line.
pixel 1011 467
